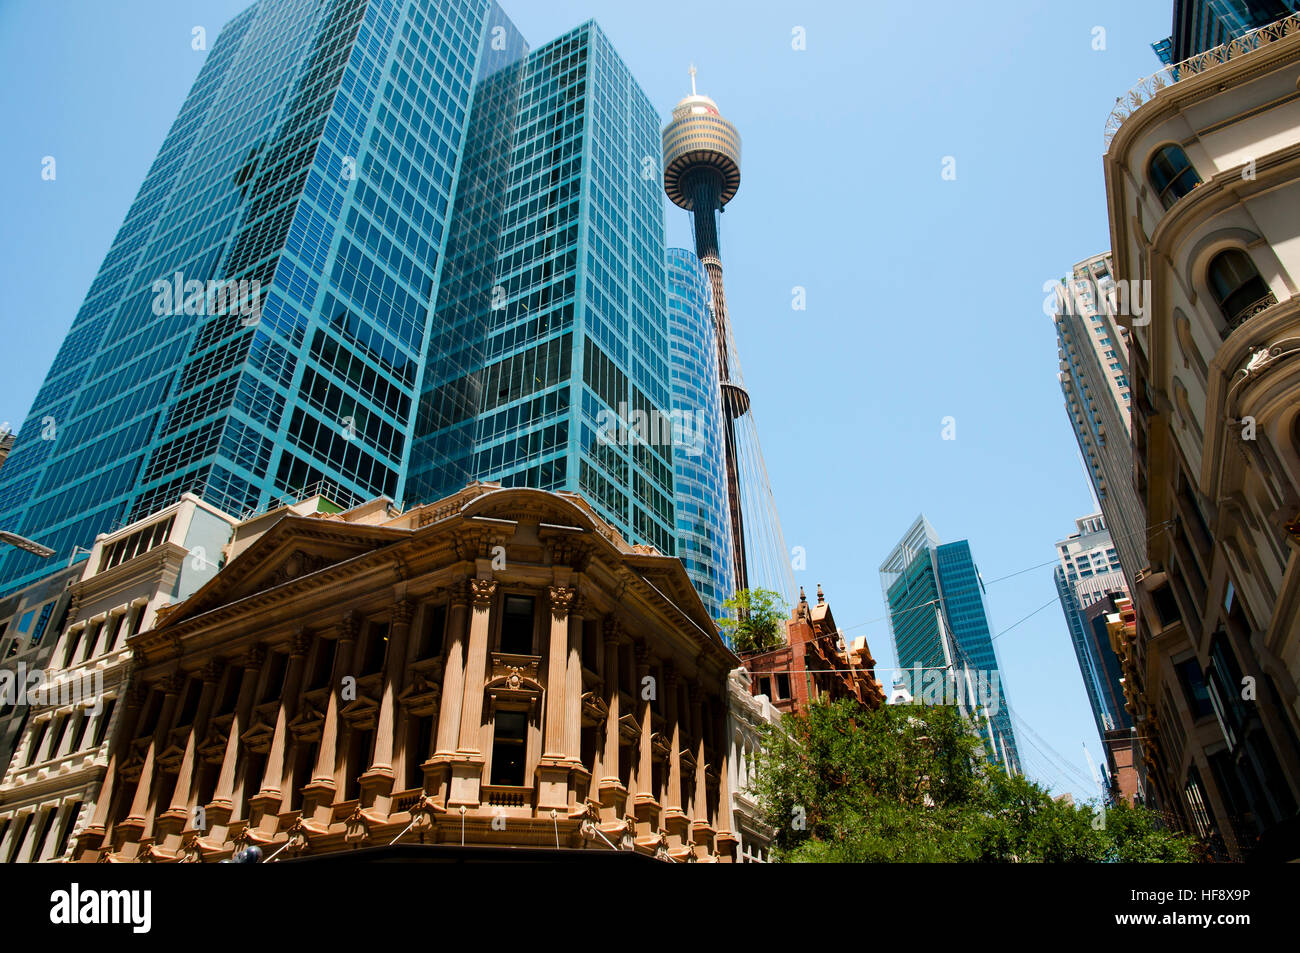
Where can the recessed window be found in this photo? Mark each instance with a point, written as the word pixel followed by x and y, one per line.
pixel 508 748
pixel 517 625
pixel 1237 286
pixel 1172 174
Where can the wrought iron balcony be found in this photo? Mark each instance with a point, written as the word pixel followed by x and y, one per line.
pixel 1248 312
pixel 1147 89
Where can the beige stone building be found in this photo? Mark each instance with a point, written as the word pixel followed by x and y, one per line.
pixel 747 714
pixel 49 790
pixel 499 668
pixel 1203 185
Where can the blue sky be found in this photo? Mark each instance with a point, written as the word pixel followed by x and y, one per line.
pixel 924 296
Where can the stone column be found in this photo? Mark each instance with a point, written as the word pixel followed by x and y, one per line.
pixel 467 764
pixel 675 822
pixel 612 793
pixel 557 663
pixel 179 815
pixel 225 804
pixel 133 827
pixel 453 682
pixel 471 717
pixel 556 763
pixel 318 797
pixel 573 701
pixel 645 801
pixel 377 782
pixel 269 799
pixel 700 827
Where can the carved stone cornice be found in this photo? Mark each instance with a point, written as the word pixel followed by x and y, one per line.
pixel 481 592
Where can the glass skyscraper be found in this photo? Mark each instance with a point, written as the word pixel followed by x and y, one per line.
pixel 384 250
pixel 703 530
pixel 938 620
pixel 1201 25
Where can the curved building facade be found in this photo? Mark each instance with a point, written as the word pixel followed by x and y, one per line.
pixel 703 526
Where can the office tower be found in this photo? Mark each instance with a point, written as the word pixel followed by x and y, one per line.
pixel 939 624
pixel 1093 349
pixel 1201 25
pixel 1089 582
pixel 701 156
pixel 1215 646
pixel 362 231
pixel 703 528
pixel 555 297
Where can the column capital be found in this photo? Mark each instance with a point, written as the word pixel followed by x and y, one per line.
pixel 300 644
pixel 350 626
pixel 561 598
pixel 612 630
pixel 212 671
pixel 481 592
pixel 172 684
pixel 402 612
pixel 457 596
pixel 255 657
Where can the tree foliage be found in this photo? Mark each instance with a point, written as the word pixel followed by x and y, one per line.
pixel 909 783
pixel 755 619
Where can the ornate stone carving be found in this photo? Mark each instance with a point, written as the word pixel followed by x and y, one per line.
pixel 594 710
pixel 561 598
pixel 402 612
pixel 301 643
pixel 350 626
pixel 255 658
pixel 481 592
pixel 298 564
pixel 212 671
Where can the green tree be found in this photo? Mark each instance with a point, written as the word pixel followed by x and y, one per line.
pixel 755 620
pixel 909 783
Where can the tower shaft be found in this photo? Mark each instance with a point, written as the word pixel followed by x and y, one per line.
pixel 705 189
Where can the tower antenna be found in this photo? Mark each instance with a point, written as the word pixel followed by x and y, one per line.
pixel 692 72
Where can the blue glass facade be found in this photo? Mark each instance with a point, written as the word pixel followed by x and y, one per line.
pixel 968 621
pixel 560 287
pixel 932 587
pixel 448 249
pixel 703 530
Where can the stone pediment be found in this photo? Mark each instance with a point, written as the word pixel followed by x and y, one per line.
pixel 306 725
pixel 258 738
pixel 362 712
pixel 420 698
pixel 292 549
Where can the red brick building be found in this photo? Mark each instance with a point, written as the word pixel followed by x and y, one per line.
pixel 814 663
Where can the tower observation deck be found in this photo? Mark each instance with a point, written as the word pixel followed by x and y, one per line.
pixel 701 155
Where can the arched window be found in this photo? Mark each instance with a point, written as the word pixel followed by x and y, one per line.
pixel 1237 287
pixel 1172 174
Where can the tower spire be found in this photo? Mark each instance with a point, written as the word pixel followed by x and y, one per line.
pixel 692 72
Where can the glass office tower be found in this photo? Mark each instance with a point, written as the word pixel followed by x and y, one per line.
pixel 323 275
pixel 938 620
pixel 703 530
pixel 560 284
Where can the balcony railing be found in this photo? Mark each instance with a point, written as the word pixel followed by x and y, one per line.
pixel 1146 90
pixel 1248 312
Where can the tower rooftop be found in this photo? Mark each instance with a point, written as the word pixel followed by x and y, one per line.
pixel 701 149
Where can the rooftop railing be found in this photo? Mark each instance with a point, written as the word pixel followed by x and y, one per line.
pixel 1234 49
